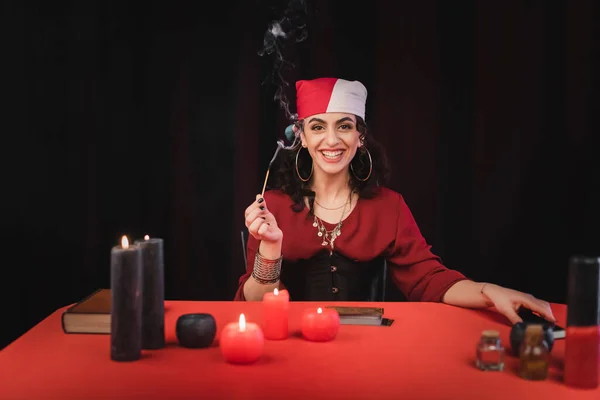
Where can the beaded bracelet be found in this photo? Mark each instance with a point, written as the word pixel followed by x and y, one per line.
pixel 266 271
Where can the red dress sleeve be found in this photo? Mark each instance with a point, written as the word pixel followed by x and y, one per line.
pixel 250 254
pixel 251 249
pixel 415 270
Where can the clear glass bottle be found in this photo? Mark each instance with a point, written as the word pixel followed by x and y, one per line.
pixel 490 352
pixel 534 354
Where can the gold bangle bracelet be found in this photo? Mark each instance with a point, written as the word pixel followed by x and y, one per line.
pixel 266 271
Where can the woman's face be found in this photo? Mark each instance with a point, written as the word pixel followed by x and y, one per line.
pixel 332 140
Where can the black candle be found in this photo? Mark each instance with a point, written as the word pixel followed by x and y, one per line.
pixel 126 302
pixel 153 303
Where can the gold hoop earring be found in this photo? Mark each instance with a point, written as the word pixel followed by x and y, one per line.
pixel 298 171
pixel 370 167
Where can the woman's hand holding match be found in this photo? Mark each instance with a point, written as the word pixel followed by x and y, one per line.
pixel 261 223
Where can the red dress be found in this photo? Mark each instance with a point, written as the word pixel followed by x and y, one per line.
pixel 382 226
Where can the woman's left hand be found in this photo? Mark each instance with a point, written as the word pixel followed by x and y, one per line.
pixel 508 301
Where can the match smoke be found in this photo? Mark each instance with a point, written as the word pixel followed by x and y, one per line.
pixel 290 29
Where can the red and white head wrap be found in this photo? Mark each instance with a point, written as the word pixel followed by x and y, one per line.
pixel 329 95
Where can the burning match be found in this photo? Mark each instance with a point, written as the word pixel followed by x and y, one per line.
pixel 280 146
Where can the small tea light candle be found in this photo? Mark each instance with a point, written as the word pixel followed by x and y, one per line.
pixel 275 312
pixel 241 342
pixel 320 325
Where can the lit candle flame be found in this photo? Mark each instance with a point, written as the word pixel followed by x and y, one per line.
pixel 124 242
pixel 275 292
pixel 242 323
pixel 319 310
pixel 146 237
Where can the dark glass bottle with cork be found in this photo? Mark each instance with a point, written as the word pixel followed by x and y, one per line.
pixel 534 354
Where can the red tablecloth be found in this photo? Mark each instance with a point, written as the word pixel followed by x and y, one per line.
pixel 428 353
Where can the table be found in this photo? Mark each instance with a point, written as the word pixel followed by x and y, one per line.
pixel 428 353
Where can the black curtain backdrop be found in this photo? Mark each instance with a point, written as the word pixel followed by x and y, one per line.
pixel 159 118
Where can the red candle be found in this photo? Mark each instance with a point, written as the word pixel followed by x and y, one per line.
pixel 241 343
pixel 275 313
pixel 582 357
pixel 582 345
pixel 320 325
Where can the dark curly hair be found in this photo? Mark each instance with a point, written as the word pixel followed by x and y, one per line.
pixel 283 174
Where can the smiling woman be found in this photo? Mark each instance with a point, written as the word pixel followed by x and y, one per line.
pixel 328 219
pixel 332 141
pixel 330 145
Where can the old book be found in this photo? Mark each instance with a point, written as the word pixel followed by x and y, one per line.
pixel 359 315
pixel 90 315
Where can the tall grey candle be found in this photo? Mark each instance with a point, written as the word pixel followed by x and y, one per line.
pixel 126 302
pixel 153 303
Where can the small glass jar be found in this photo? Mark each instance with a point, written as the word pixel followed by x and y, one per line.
pixel 490 352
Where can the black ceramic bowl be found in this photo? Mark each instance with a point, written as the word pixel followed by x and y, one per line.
pixel 517 334
pixel 196 330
